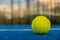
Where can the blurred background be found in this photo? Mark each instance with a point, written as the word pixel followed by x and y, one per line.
pixel 24 11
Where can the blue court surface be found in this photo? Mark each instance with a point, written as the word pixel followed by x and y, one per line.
pixel 24 32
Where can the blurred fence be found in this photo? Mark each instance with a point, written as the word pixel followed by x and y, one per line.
pixel 23 11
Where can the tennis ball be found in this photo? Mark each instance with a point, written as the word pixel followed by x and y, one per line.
pixel 41 24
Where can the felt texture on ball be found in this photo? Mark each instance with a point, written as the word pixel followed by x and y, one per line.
pixel 41 24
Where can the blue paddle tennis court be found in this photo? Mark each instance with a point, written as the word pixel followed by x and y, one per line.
pixel 24 32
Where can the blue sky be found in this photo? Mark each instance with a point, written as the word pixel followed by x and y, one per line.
pixel 8 1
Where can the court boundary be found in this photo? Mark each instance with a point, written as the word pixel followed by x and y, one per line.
pixel 24 29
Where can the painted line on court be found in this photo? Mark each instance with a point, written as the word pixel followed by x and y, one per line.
pixel 15 29
pixel 24 29
pixel 55 29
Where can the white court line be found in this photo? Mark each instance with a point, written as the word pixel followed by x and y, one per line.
pixel 24 29
pixel 55 29
pixel 15 29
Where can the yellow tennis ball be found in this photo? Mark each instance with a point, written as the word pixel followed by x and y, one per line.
pixel 41 24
